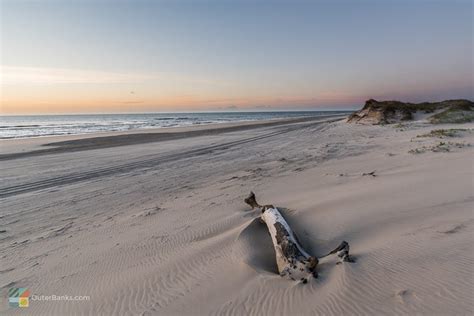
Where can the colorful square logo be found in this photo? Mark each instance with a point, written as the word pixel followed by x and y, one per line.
pixel 18 297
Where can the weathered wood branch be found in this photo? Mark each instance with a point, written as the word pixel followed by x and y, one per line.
pixel 342 251
pixel 292 260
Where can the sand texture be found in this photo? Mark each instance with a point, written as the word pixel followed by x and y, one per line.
pixel 159 227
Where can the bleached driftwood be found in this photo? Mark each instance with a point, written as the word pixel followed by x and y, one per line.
pixel 292 260
pixel 342 251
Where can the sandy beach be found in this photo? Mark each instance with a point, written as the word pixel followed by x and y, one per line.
pixel 155 224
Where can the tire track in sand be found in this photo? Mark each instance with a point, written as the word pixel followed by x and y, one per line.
pixel 145 163
pixel 122 168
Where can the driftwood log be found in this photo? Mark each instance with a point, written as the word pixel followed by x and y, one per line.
pixel 292 260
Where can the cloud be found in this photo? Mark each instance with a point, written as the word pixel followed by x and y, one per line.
pixel 18 75
pixel 13 75
pixel 229 107
pixel 132 102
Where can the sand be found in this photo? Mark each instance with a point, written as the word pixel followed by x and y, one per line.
pixel 160 227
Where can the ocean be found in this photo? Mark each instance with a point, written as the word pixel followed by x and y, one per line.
pixel 50 125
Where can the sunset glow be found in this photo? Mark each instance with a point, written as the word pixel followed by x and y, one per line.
pixel 102 56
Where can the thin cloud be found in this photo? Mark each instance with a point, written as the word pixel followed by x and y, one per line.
pixel 17 75
pixel 13 75
pixel 132 102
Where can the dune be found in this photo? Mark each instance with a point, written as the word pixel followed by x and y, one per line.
pixel 389 112
pixel 160 227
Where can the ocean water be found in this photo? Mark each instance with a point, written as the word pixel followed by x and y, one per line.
pixel 50 125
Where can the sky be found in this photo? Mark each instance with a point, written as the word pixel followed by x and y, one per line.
pixel 117 56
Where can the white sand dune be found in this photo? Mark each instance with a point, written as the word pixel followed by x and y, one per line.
pixel 161 227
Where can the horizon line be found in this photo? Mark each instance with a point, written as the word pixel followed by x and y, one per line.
pixel 172 112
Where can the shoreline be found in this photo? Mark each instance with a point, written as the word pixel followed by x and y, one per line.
pixel 24 147
pixel 153 127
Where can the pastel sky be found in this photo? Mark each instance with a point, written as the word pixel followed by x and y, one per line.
pixel 191 55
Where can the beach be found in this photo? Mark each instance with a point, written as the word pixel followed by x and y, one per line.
pixel 155 224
